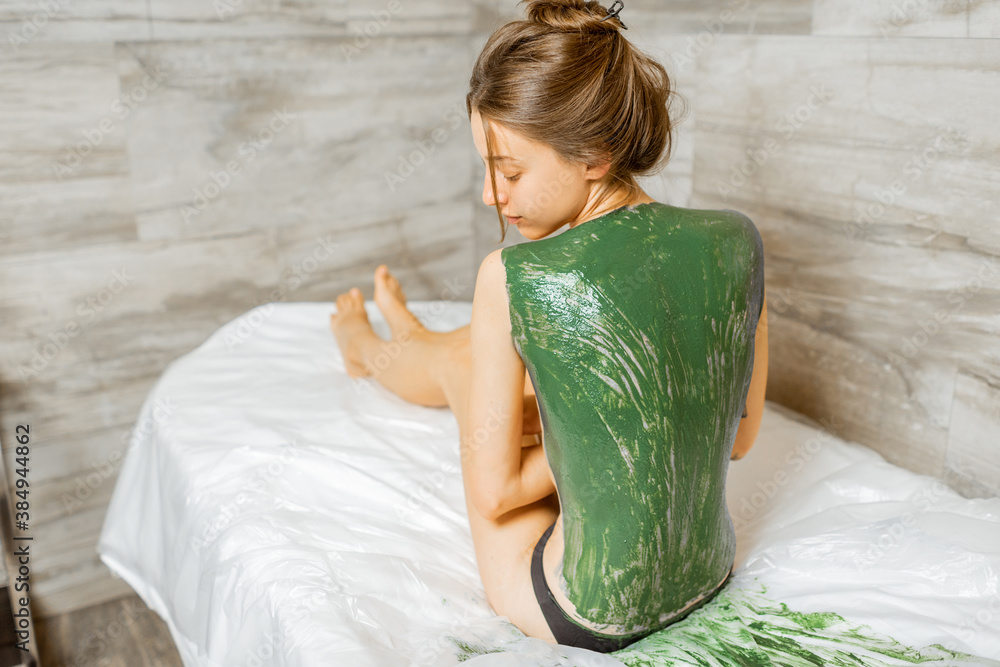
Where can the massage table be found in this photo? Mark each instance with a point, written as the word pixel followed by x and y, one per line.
pixel 274 511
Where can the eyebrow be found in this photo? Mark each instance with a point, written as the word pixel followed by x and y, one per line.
pixel 501 158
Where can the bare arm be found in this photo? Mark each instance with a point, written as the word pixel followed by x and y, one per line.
pixel 501 474
pixel 750 425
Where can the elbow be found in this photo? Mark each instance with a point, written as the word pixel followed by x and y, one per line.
pixel 487 500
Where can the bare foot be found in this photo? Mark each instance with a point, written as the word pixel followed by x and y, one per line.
pixel 392 302
pixel 352 330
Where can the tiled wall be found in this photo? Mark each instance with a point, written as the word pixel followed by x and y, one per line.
pixel 164 167
pixel 167 165
pixel 864 145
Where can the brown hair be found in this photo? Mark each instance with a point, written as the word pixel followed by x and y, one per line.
pixel 567 79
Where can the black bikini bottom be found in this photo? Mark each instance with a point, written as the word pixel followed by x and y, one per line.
pixel 567 631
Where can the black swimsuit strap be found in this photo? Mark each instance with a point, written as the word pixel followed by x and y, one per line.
pixel 564 629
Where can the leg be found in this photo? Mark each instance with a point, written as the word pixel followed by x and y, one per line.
pixel 503 546
pixel 435 369
pixel 406 365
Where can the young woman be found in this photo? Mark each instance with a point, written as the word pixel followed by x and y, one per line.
pixel 634 343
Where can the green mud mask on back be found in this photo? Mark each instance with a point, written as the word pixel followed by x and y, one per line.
pixel 637 329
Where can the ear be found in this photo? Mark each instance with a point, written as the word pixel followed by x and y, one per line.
pixel 598 171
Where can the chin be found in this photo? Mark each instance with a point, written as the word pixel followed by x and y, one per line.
pixel 534 234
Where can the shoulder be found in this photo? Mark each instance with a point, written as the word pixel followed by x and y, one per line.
pixel 490 296
pixel 701 218
pixel 749 228
pixel 491 323
pixel 491 270
pixel 716 216
pixel 741 219
pixel 727 223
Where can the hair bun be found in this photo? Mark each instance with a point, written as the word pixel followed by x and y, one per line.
pixel 571 15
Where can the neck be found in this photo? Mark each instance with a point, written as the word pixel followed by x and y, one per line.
pixel 603 205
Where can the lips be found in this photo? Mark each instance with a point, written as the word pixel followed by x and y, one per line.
pixel 513 221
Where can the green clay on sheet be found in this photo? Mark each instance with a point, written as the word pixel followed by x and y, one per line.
pixel 740 627
pixel 467 651
pixel 637 330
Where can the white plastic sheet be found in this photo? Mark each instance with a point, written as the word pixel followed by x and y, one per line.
pixel 274 511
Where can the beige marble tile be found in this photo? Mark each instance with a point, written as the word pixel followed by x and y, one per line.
pixel 892 18
pixel 973 458
pixel 428 248
pixel 64 170
pixel 874 139
pixel 673 184
pixel 708 20
pixel 873 205
pixel 77 455
pixel 66 572
pixel 294 132
pixel 30 25
pixel 360 20
pixel 86 489
pixel 984 18
pixel 409 17
pixel 105 334
pixel 713 17
pixel 853 393
pixel 197 20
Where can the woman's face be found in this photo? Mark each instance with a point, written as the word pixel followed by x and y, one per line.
pixel 537 190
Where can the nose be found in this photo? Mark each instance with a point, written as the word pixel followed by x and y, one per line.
pixel 488 191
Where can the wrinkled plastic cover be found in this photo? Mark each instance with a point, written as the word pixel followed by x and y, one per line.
pixel 274 511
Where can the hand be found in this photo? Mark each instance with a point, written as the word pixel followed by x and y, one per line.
pixel 532 421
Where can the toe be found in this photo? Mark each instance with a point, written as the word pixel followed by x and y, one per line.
pixel 381 273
